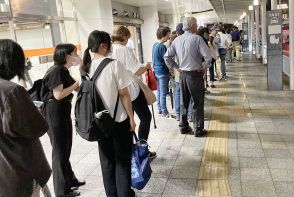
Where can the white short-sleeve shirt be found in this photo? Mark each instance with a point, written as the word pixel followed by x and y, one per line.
pixel 125 55
pixel 113 78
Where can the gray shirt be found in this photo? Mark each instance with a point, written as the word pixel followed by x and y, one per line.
pixel 189 48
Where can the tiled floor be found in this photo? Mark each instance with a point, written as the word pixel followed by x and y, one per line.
pixel 260 143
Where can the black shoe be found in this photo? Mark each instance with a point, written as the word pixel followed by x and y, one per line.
pixel 212 86
pixel 77 183
pixel 185 130
pixel 152 156
pixel 71 193
pixel 200 133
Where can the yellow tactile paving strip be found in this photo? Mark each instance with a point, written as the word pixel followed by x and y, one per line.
pixel 213 174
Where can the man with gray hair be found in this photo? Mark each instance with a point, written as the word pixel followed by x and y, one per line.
pixel 190 49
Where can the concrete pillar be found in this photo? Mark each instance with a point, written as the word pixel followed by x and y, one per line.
pixel 251 30
pixel 257 32
pixel 291 44
pixel 263 31
pixel 55 27
pixel 93 15
pixel 274 4
pixel 148 30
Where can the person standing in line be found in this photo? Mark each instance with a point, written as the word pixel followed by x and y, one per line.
pixel 236 37
pixel 229 57
pixel 190 48
pixel 162 72
pixel 113 82
pixel 56 93
pixel 213 45
pixel 177 74
pixel 222 50
pixel 23 162
pixel 123 54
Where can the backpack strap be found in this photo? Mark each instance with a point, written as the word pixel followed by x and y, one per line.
pixel 98 71
pixel 116 106
pixel 101 66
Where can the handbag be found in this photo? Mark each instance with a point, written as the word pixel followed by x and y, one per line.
pixel 140 165
pixel 151 80
pixel 149 95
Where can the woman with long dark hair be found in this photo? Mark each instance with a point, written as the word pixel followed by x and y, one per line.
pixel 22 159
pixel 56 93
pixel 114 152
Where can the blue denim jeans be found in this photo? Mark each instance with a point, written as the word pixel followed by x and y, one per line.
pixel 222 55
pixel 177 98
pixel 162 91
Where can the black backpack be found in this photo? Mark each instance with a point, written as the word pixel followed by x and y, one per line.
pixel 93 120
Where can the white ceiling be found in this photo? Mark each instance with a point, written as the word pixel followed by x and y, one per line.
pixel 179 7
pixel 227 11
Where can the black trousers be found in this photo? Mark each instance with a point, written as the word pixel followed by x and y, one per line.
pixel 115 158
pixel 192 85
pixel 211 70
pixel 58 117
pixel 140 106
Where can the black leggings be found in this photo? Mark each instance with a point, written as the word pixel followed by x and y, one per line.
pixel 140 106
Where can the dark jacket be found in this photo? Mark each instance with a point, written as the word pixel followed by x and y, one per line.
pixel 22 158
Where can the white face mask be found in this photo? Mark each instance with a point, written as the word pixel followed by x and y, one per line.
pixel 76 61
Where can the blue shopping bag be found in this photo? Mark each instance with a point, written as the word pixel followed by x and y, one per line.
pixel 141 170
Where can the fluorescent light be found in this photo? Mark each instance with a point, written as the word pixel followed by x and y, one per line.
pixel 256 2
pixel 283 6
pixel 250 7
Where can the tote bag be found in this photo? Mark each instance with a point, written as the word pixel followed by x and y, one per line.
pixel 140 166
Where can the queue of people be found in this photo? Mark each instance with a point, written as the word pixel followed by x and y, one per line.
pixel 185 60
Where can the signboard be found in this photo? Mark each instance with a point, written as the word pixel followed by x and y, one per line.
pixel 274 50
pixel 274 32
pixel 245 46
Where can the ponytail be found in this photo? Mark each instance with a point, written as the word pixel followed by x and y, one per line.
pixel 96 38
pixel 86 60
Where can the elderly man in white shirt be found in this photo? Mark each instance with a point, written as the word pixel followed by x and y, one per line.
pixel 190 48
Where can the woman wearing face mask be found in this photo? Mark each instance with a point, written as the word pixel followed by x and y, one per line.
pixel 56 93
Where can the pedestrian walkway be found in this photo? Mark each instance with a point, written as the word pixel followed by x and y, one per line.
pixel 249 150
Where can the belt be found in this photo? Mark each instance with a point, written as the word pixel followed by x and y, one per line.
pixel 192 71
pixel 59 101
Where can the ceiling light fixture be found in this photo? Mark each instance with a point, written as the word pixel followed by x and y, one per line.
pixel 250 7
pixel 282 6
pixel 256 2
